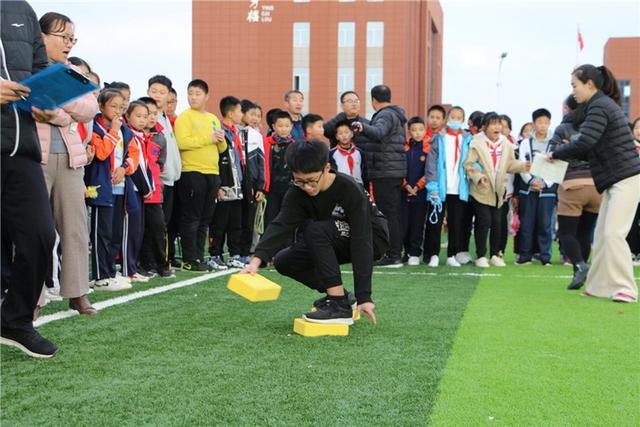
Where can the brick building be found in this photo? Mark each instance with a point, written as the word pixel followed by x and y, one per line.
pixel 622 57
pixel 259 49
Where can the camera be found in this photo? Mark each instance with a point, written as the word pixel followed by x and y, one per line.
pixel 355 127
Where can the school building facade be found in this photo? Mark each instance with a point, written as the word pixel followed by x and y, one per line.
pixel 622 57
pixel 259 49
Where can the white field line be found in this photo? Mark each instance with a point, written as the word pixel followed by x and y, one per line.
pixel 153 291
pixel 134 296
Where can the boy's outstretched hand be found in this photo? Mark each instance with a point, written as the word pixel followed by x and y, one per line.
pixel 367 308
pixel 252 267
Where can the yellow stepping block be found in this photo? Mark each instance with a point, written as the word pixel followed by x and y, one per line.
pixel 254 288
pixel 309 329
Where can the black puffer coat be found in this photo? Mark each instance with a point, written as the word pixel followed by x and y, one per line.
pixel 384 149
pixel 23 53
pixel 605 141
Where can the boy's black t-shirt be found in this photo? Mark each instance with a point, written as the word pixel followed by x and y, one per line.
pixel 356 209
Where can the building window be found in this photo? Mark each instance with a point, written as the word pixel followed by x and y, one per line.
pixel 375 34
pixel 625 91
pixel 301 34
pixel 347 34
pixel 346 1
pixel 301 1
pixel 301 79
pixel 345 79
pixel 374 77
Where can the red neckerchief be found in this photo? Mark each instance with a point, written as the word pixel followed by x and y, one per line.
pixel 493 150
pixel 236 141
pixel 82 131
pixel 457 135
pixel 348 153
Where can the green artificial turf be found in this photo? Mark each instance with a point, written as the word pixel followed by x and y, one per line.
pixel 202 355
pixel 529 352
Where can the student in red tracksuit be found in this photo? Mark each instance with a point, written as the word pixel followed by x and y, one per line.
pixel 153 256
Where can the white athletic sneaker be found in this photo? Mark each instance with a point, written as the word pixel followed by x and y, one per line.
pixel 111 285
pixel 463 258
pixel 52 294
pixel 122 279
pixel 433 262
pixel 235 261
pixel 496 261
pixel 413 260
pixel 138 278
pixel 482 262
pixel 452 262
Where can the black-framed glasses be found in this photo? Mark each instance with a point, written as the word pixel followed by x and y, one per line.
pixel 312 183
pixel 66 39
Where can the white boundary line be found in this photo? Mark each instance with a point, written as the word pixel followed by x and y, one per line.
pixel 134 296
pixel 160 289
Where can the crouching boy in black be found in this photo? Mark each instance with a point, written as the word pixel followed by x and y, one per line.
pixel 337 224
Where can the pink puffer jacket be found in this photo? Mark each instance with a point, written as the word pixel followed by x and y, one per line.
pixel 82 109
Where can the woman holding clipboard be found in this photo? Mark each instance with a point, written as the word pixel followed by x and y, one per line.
pixel 605 141
pixel 63 159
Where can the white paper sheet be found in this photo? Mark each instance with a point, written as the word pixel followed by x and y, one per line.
pixel 551 172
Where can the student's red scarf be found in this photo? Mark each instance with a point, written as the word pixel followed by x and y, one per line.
pixel 348 153
pixel 457 135
pixel 494 148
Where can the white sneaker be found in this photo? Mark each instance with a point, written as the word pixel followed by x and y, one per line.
pixel 138 278
pixel 235 261
pixel 463 258
pixel 413 260
pixel 122 279
pixel 433 261
pixel 452 262
pixel 111 285
pixel 482 262
pixel 52 294
pixel 497 261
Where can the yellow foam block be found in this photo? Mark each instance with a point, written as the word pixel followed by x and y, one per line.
pixel 309 329
pixel 254 288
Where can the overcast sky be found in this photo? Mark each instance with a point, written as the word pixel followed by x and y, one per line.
pixel 132 40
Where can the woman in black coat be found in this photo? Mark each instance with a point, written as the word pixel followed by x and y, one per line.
pixel 605 141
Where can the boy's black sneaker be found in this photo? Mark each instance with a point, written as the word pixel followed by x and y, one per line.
pixel 30 342
pixel 351 298
pixel 196 266
pixel 388 262
pixel 331 311
pixel 167 274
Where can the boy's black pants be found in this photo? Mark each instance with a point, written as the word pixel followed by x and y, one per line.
pixel 154 243
pixel 314 260
pixel 227 222
pixel 197 194
pixel 413 216
pixel 487 217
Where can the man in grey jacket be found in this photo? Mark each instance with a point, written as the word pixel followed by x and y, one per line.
pixel 386 164
pixel 28 233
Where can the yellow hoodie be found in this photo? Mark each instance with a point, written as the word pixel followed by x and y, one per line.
pixel 193 133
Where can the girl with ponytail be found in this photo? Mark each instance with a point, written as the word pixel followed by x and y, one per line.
pixel 605 140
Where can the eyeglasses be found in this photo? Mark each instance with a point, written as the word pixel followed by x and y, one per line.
pixel 352 101
pixel 312 183
pixel 66 39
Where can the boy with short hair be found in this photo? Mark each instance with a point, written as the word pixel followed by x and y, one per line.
pixel 448 188
pixel 346 157
pixel 338 224
pixel 294 103
pixel 537 197
pixel 313 126
pixel 172 105
pixel 200 140
pixel 413 209
pixel 227 218
pixel 278 174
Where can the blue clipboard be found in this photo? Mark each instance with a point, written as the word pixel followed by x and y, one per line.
pixel 54 87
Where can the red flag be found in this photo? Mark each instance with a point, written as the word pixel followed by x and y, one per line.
pixel 580 40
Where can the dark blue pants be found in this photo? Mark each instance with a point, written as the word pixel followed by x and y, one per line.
pixel 134 232
pixel 412 218
pixel 102 266
pixel 536 216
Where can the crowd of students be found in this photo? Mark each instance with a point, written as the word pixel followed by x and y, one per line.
pixel 161 187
